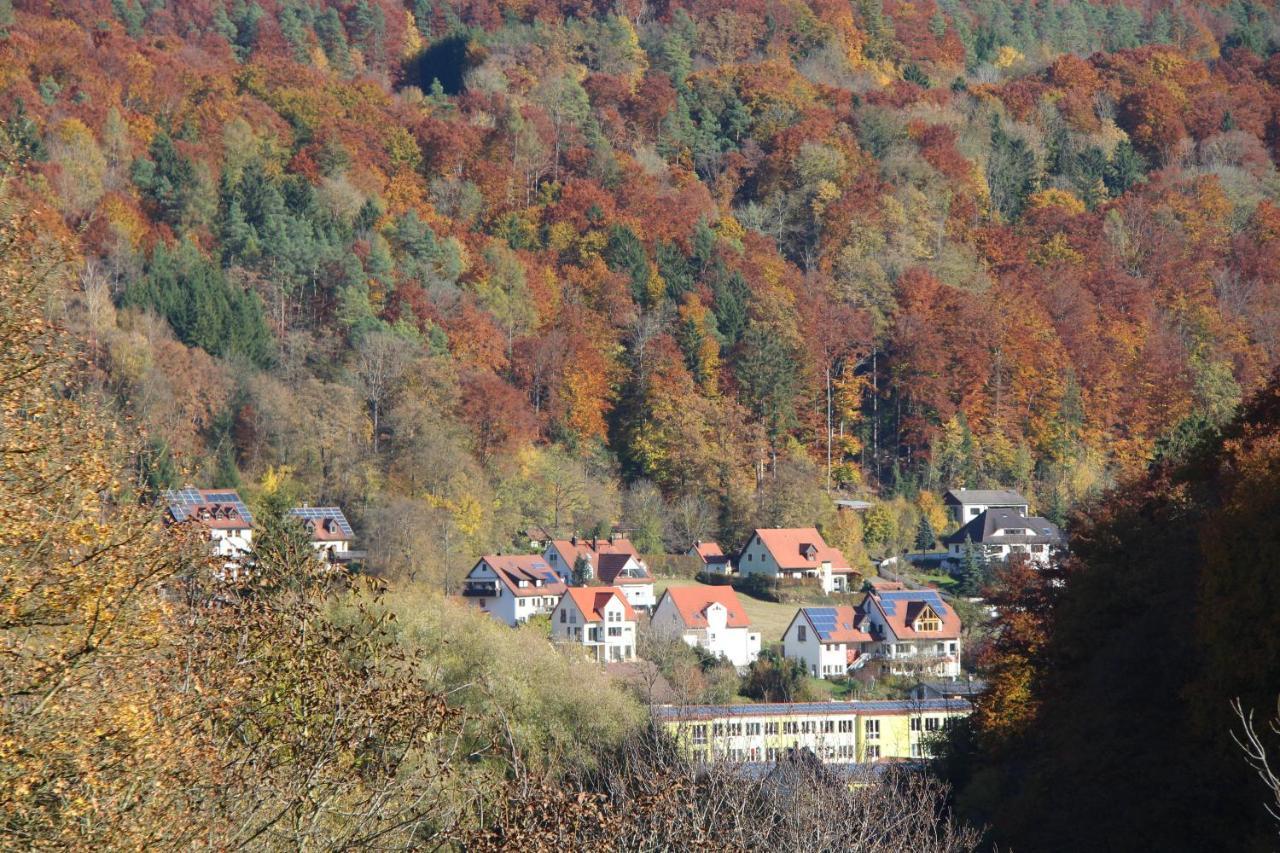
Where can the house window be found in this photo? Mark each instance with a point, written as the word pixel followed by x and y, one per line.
pixel 717 729
pixel 953 647
pixel 735 729
pixel 845 726
pixel 753 728
pixel 562 617
pixel 915 724
pixel 615 632
pixel 973 511
pixel 771 728
pixel 872 729
pixel 873 751
pixel 700 734
pixel 916 751
pixel 828 726
pixel 932 724
pixel 800 633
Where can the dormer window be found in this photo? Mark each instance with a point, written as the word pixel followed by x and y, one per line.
pixel 809 551
pixel 928 621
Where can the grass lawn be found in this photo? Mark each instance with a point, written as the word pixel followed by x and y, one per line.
pixel 768 618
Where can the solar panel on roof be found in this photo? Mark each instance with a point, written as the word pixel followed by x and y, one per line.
pixel 320 513
pixel 180 501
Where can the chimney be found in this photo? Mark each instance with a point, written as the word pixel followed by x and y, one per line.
pixel 827 586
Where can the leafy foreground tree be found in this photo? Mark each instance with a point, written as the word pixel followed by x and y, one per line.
pixel 646 797
pixel 145 705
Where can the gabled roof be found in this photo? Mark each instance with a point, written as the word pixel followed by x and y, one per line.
pixel 800 548
pixel 833 624
pixel 220 508
pixel 571 549
pixel 513 568
pixel 325 523
pixel 612 569
pixel 900 608
pixel 591 600
pixel 707 550
pixel 985 497
pixel 692 602
pixel 983 530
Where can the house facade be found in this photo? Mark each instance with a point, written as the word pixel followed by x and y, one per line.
pixel 711 618
pixel 599 619
pixel 1001 533
pixel 967 504
pixel 221 513
pixel 562 554
pixel 826 640
pixel 795 552
pixel 862 732
pixel 912 632
pixel 512 587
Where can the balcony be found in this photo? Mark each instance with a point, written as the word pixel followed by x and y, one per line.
pixel 488 589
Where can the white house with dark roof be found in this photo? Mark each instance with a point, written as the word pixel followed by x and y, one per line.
pixel 711 618
pixel 330 532
pixel 220 512
pixel 968 504
pixel 795 552
pixel 512 587
pixel 1001 533
pixel 827 640
pixel 912 632
pixel 599 619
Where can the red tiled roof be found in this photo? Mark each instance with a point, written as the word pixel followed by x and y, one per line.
pixel 570 550
pixel 592 599
pixel 707 549
pixel 512 568
pixel 691 603
pixel 902 616
pixel 801 548
pixel 609 565
pixel 844 631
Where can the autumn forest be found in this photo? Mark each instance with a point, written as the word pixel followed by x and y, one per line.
pixel 475 268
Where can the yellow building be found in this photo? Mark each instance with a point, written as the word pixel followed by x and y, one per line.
pixel 837 732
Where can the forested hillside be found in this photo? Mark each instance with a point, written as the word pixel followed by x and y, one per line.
pixel 1113 691
pixel 464 267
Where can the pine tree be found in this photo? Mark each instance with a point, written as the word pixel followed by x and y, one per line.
pixel 926 538
pixel 973 570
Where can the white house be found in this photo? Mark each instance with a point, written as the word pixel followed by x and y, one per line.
pixel 1000 533
pixel 599 619
pixel 330 532
pixel 220 512
pixel 713 559
pixel 795 552
pixel 968 504
pixel 912 632
pixel 562 554
pixel 512 587
pixel 827 640
pixel 710 617
pixel 628 574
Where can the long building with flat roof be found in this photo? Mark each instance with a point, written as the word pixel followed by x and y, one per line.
pixel 858 732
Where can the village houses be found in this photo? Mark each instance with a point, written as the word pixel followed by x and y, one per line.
pixel 967 504
pixel 512 587
pixel 893 632
pixel 998 534
pixel 796 552
pixel 599 619
pixel 711 618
